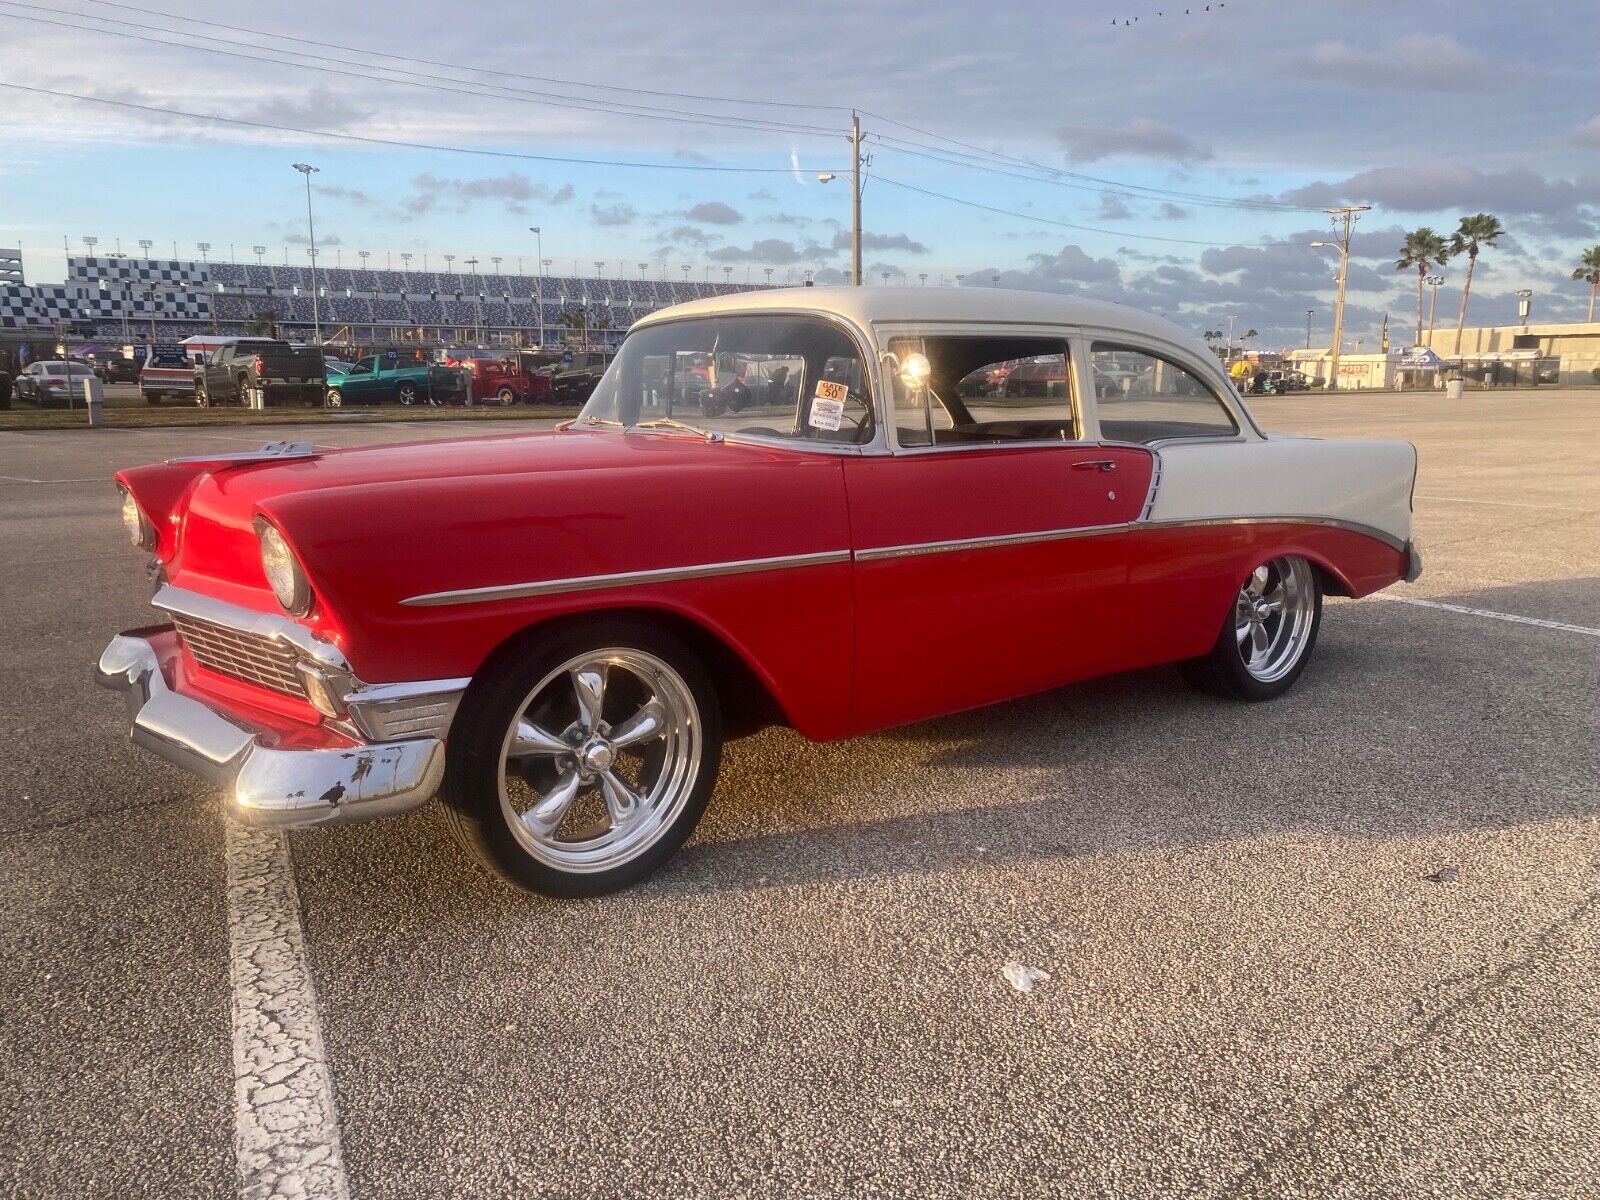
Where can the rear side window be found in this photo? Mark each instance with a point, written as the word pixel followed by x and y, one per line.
pixel 984 390
pixel 1146 398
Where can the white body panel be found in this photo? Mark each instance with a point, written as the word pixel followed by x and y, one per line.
pixel 1361 483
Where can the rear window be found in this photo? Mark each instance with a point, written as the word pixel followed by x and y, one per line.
pixel 167 356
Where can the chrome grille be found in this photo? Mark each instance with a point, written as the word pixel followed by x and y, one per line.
pixel 247 656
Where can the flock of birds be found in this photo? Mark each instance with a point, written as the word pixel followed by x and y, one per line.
pixel 1188 12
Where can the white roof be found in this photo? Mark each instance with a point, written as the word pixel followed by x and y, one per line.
pixel 867 305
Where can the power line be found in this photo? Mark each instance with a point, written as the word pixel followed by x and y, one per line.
pixel 1007 212
pixel 600 87
pixel 429 83
pixel 1031 164
pixel 1122 190
pixel 378 141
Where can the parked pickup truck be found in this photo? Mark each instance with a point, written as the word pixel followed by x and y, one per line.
pixel 383 377
pixel 167 371
pixel 282 372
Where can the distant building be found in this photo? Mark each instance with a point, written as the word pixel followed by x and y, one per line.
pixel 11 265
pixel 1495 355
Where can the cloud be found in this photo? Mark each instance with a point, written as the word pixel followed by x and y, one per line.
pixel 1112 208
pixel 1455 187
pixel 515 191
pixel 1588 134
pixel 761 194
pixel 880 241
pixel 692 156
pixel 1171 212
pixel 352 195
pixel 715 212
pixel 1139 138
pixel 613 214
pixel 688 235
pixel 771 251
pixel 1415 62
pixel 316 109
pixel 301 239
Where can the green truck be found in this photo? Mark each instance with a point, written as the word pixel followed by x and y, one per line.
pixel 380 378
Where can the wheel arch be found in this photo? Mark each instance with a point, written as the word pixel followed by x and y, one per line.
pixel 749 698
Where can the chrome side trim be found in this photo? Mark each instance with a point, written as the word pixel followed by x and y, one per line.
pixel 392 711
pixel 877 553
pixel 955 545
pixel 274 626
pixel 1388 539
pixel 621 579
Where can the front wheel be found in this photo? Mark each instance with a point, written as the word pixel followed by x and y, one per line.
pixel 407 393
pixel 506 396
pixel 202 398
pixel 584 761
pixel 334 398
pixel 1267 636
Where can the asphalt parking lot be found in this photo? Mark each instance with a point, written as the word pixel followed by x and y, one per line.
pixel 1344 944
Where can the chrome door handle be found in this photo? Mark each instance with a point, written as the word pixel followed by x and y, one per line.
pixel 1093 464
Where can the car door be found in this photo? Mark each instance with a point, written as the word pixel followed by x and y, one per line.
pixel 990 546
pixel 362 379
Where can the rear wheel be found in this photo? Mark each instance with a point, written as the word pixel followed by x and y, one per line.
pixel 584 761
pixel 506 396
pixel 202 398
pixel 1268 635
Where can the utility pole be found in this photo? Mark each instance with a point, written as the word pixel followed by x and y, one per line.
pixel 1346 215
pixel 1433 282
pixel 1230 336
pixel 538 277
pixel 1310 312
pixel 855 198
pixel 308 170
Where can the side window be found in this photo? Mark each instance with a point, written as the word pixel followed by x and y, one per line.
pixel 983 390
pixel 1146 398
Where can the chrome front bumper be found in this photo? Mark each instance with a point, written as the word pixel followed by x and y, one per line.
pixel 268 784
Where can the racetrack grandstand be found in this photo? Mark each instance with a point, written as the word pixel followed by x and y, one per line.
pixel 165 300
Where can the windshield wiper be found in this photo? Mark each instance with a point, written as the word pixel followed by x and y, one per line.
pixel 590 421
pixel 674 423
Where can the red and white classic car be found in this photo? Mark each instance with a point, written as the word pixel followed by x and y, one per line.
pixel 556 631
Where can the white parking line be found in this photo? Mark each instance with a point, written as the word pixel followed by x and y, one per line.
pixel 286 1128
pixel 1490 613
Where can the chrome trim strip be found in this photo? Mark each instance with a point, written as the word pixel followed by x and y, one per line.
pixel 275 626
pixel 591 583
pixel 877 553
pixel 1388 539
pixel 913 549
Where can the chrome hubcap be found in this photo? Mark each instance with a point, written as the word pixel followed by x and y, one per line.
pixel 603 755
pixel 1272 617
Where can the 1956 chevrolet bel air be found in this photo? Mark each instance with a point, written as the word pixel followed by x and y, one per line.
pixel 839 510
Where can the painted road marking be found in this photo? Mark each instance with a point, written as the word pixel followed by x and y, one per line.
pixel 286 1128
pixel 1490 613
pixel 1504 503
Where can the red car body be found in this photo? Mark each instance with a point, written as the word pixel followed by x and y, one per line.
pixel 501 379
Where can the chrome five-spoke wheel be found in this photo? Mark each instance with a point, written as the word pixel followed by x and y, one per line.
pixel 600 760
pixel 586 756
pixel 1268 634
pixel 1272 617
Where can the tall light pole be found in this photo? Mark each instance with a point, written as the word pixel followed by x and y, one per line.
pixel 1310 312
pixel 1524 305
pixel 259 251
pixel 308 170
pixel 203 247
pixel 477 301
pixel 89 243
pixel 1345 217
pixel 1433 281
pixel 538 278
pixel 145 244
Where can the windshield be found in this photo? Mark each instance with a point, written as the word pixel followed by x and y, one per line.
pixel 762 376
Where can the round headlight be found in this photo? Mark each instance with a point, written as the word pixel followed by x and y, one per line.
pixel 140 532
pixel 283 571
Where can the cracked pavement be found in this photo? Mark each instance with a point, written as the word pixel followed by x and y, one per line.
pixel 1345 944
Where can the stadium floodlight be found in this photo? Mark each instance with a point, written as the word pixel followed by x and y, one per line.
pixel 308 170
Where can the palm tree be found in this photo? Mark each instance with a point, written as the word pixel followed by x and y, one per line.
pixel 1588 270
pixel 1213 336
pixel 1470 236
pixel 1422 249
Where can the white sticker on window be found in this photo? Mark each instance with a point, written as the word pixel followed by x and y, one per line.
pixel 826 414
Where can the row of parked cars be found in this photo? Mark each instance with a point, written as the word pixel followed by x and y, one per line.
pixel 270 372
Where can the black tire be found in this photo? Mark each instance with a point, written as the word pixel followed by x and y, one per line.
pixel 202 398
pixel 152 399
pixel 334 398
pixel 471 789
pixel 506 396
pixel 1222 671
pixel 406 393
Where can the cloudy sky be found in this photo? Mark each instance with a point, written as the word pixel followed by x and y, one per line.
pixel 1187 152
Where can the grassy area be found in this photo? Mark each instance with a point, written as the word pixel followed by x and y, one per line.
pixel 147 417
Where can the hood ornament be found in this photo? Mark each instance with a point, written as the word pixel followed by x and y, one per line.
pixel 271 452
